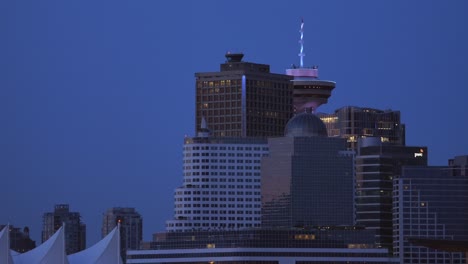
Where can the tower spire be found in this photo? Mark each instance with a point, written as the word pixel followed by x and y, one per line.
pixel 301 41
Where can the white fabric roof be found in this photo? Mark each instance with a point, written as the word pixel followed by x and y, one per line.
pixel 5 256
pixel 51 251
pixel 106 251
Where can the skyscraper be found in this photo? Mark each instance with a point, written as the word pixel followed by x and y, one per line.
pixel 307 180
pixel 377 164
pixel 131 227
pixel 75 229
pixel 243 99
pixel 430 203
pixel 221 186
pixel 352 123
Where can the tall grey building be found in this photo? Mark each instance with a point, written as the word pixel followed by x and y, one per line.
pixel 307 180
pixel 243 99
pixel 352 123
pixel 430 202
pixel 131 226
pixel 75 229
pixel 376 165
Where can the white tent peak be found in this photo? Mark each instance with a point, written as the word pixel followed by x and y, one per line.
pixel 105 251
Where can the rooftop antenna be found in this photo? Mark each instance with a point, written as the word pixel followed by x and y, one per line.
pixel 301 41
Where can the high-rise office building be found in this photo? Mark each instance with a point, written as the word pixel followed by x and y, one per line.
pixel 352 123
pixel 307 180
pixel 376 165
pixel 75 229
pixel 309 91
pixel 131 227
pixel 221 186
pixel 430 203
pixel 243 99
pixel 19 239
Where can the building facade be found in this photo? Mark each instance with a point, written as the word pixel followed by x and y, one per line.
pixel 243 99
pixel 75 229
pixel 131 227
pixel 352 123
pixel 265 246
pixel 376 165
pixel 221 184
pixel 429 203
pixel 307 180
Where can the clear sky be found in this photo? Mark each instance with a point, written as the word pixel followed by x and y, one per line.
pixel 96 96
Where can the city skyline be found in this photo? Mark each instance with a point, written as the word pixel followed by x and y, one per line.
pixel 88 89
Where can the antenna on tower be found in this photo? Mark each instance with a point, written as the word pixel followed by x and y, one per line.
pixel 301 41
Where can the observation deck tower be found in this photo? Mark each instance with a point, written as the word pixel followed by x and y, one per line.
pixel 309 91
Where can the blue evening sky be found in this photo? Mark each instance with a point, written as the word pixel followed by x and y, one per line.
pixel 97 96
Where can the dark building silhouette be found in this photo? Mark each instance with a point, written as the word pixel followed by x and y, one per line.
pixel 243 99
pixel 75 229
pixel 376 165
pixel 307 180
pixel 19 239
pixel 430 203
pixel 352 123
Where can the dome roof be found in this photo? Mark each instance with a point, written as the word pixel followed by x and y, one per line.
pixel 305 125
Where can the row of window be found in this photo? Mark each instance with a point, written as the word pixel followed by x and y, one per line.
pixel 225 148
pixel 230 154
pixel 215 193
pixel 222 225
pixel 220 161
pixel 215 199
pixel 221 180
pixel 223 205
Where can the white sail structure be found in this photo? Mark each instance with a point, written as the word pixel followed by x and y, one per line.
pixel 106 251
pixel 5 256
pixel 51 251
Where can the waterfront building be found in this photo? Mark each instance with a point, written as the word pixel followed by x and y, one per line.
pixel 266 246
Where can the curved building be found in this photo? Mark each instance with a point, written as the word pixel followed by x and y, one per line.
pixel 221 186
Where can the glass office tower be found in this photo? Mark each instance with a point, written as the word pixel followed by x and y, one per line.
pixel 307 180
pixel 377 164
